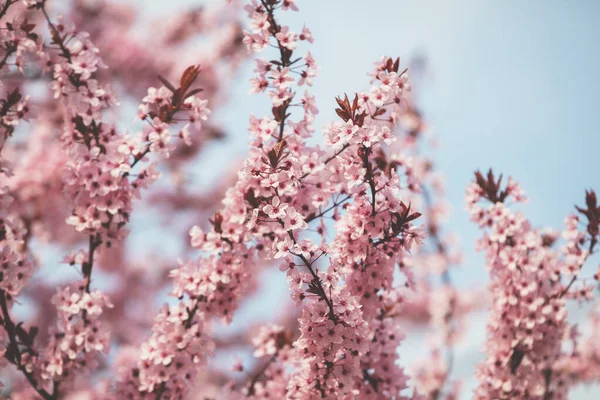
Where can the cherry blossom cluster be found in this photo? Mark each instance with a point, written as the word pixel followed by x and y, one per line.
pixel 333 332
pixel 134 66
pixel 16 262
pixel 99 182
pixel 102 159
pixel 108 174
pixel 159 108
pixel 528 318
pixel 275 198
pixel 215 290
pixel 17 40
pixel 79 334
pixel 207 287
pixel 177 345
pixel 13 108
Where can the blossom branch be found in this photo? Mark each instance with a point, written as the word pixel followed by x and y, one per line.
pixel 13 352
pixel 259 374
pixel 5 8
pixel 592 214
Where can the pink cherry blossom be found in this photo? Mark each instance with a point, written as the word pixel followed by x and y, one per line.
pixel 108 147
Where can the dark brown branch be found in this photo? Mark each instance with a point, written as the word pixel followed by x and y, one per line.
pixel 593 242
pixel 14 352
pixel 94 242
pixel 369 177
pixel 5 7
pixel 319 290
pixel 335 204
pixel 260 373
pixel 9 51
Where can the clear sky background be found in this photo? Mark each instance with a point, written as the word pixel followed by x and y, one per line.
pixel 511 85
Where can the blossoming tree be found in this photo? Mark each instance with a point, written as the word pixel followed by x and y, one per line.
pixel 353 224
